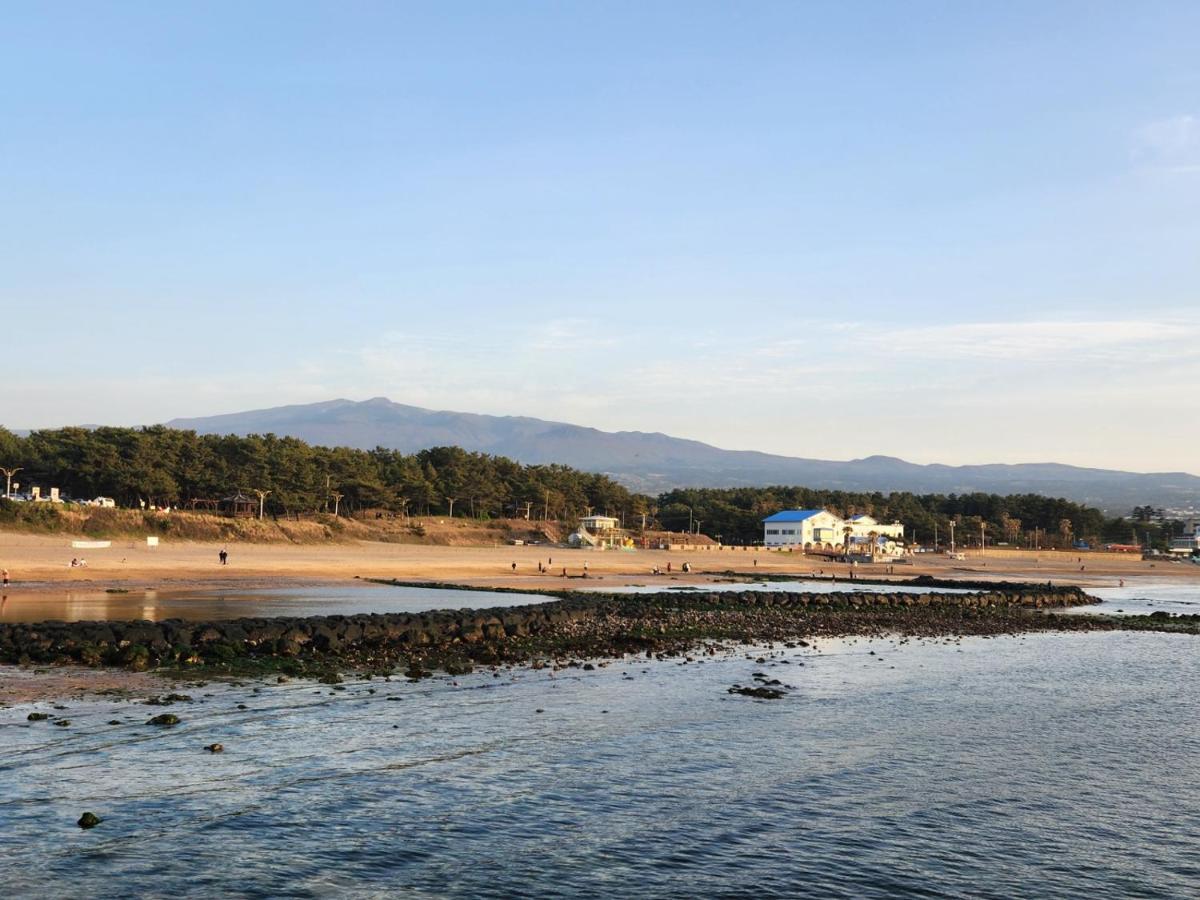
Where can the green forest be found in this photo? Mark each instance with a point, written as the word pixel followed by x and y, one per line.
pixel 159 466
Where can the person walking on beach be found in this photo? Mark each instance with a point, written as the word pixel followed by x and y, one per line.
pixel 514 567
pixel 223 556
pixel 6 577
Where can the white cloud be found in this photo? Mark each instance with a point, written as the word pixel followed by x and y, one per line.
pixel 1171 144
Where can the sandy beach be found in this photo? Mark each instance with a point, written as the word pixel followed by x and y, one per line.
pixel 42 562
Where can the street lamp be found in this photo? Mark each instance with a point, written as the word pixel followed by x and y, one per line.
pixel 8 474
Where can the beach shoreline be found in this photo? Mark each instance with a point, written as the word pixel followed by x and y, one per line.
pixel 43 563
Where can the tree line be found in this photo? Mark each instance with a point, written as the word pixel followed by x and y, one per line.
pixel 170 467
pixel 1019 520
pixel 160 466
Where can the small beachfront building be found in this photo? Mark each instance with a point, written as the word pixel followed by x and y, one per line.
pixel 599 524
pixel 599 532
pixel 239 506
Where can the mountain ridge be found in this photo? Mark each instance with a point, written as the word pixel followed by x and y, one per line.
pixel 654 461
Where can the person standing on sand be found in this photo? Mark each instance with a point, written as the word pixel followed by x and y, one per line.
pixel 223 556
pixel 514 567
pixel 6 577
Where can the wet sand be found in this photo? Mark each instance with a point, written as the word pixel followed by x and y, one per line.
pixel 20 685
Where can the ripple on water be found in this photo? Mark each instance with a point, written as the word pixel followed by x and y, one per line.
pixel 1048 765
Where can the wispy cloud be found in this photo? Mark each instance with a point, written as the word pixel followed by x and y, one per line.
pixel 1050 341
pixel 1169 145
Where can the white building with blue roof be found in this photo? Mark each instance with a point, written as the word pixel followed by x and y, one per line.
pixel 813 528
pixel 819 529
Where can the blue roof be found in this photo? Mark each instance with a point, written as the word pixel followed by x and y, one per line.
pixel 793 515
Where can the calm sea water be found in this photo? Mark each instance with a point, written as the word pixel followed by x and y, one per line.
pixel 1043 765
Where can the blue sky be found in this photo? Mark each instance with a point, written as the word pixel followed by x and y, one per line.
pixel 943 231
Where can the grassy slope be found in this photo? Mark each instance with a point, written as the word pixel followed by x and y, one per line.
pixel 45 518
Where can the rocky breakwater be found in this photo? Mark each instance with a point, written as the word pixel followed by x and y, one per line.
pixel 596 625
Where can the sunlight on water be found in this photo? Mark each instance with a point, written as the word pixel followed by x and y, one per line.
pixel 1049 764
pixel 219 603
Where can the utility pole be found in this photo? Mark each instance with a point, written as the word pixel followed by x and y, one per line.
pixel 8 474
pixel 546 507
pixel 982 539
pixel 337 499
pixel 262 495
pixel 935 537
pixel 951 535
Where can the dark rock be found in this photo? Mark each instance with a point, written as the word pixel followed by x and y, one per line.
pixel 214 748
pixel 164 720
pixel 37 717
pixel 760 693
pixel 89 820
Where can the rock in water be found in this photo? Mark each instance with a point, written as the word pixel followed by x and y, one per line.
pixel 89 820
pixel 214 748
pixel 164 720
pixel 37 717
pixel 760 693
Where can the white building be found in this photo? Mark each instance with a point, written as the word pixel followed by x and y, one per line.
pixel 599 524
pixel 819 529
pixel 598 532
pixel 865 526
pixel 1189 544
pixel 816 529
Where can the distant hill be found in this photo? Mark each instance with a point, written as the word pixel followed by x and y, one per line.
pixel 654 462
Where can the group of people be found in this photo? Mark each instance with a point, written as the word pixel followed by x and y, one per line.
pixel 685 568
pixel 78 563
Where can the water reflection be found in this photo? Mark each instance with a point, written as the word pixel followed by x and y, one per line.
pixel 215 604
